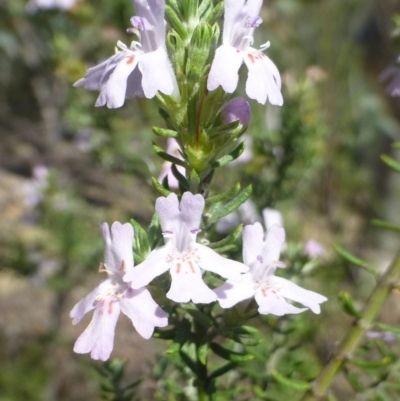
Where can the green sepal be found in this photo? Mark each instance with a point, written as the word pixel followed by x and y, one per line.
pixel 224 197
pixel 168 334
pixel 166 133
pixel 387 360
pixel 354 259
pixel 202 352
pixel 182 334
pixel 204 8
pixel 160 188
pixel 260 393
pixel 140 242
pixel 176 5
pixel 175 22
pixel 222 370
pixel 389 161
pixel 291 383
pixel 188 361
pixel 194 181
pixel 385 224
pixel 220 210
pixel 230 355
pixel 227 241
pixel 166 156
pixel 228 158
pixel 198 51
pixel 347 305
pixel 212 15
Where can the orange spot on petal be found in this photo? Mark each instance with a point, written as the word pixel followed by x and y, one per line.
pixel 191 266
pixel 178 267
pixel 251 57
pixel 130 60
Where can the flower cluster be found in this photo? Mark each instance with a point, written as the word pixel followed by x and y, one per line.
pixel 186 260
pixel 144 68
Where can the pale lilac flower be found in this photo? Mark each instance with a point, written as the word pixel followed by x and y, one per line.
pixel 263 80
pixel 114 295
pixel 385 336
pixel 33 5
pixel 269 291
pixel 173 149
pixel 36 187
pixel 237 109
pixel 182 255
pixel 391 74
pixel 272 217
pixel 313 249
pixel 142 69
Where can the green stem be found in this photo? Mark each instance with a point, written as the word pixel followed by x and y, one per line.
pixel 371 309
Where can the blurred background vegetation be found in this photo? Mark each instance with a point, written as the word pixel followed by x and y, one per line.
pixel 66 166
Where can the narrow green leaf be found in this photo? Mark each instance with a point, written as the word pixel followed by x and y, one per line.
pixel 175 22
pixel 393 164
pixel 168 334
pixel 141 241
pixel 202 352
pixel 203 319
pixel 183 182
pixel 372 364
pixel 228 158
pixel 347 305
pixel 385 224
pixel 222 370
pixel 154 231
pixel 221 210
pixel 388 327
pixel 169 158
pixel 160 188
pixel 291 383
pixel 228 240
pixel 224 197
pixel 355 260
pixel 230 355
pixel 166 133
pixel 188 361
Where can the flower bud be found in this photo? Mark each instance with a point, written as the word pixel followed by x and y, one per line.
pixel 237 110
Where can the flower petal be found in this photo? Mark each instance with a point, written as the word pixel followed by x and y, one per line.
pixel 168 211
pixel 227 268
pixel 232 11
pixel 253 243
pixel 272 217
pixel 230 294
pixel 113 92
pixel 188 285
pixel 98 338
pixel 273 303
pixel 263 81
pixel 145 314
pixel 154 265
pixel 118 246
pixel 225 68
pixel 88 303
pixel 192 207
pixel 273 244
pixel 292 291
pixel 157 74
pixel 134 85
pixel 153 11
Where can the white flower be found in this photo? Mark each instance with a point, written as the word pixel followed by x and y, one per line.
pixel 263 81
pixel 268 290
pixel 114 295
pixel 272 217
pixel 181 255
pixel 142 69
